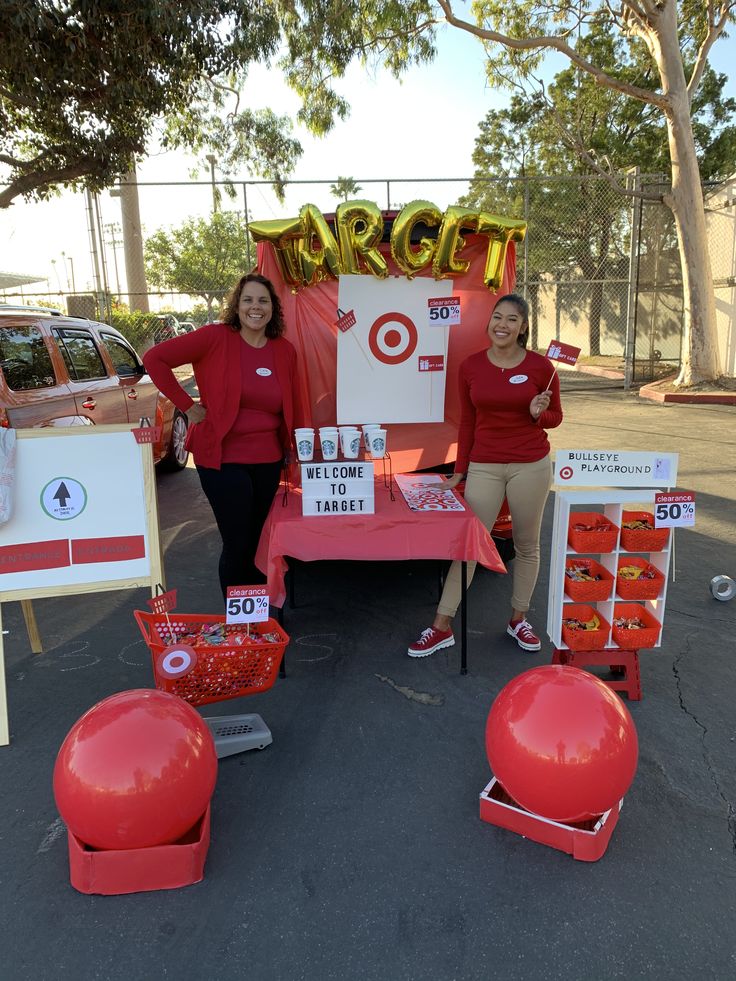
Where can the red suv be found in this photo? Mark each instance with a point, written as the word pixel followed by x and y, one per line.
pixel 62 371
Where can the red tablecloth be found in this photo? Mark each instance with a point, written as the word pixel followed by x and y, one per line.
pixel 393 533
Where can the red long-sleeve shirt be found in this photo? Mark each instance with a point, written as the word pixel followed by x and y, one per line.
pixel 495 423
pixel 214 353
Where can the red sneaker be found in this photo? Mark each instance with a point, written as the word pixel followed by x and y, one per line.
pixel 431 640
pixel 524 635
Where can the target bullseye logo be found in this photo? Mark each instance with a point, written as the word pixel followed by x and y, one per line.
pixel 175 661
pixel 565 473
pixel 393 338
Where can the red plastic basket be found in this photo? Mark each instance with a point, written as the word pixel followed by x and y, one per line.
pixel 595 540
pixel 642 539
pixel 638 589
pixel 634 640
pixel 584 640
pixel 588 592
pixel 240 665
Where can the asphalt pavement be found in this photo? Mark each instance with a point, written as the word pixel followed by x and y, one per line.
pixel 351 848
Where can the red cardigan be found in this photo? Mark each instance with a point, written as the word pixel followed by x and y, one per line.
pixel 214 354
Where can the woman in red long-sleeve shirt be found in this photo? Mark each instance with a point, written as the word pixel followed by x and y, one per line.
pixel 240 429
pixel 509 396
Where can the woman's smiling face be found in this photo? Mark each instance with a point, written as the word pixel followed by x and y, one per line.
pixel 506 323
pixel 255 308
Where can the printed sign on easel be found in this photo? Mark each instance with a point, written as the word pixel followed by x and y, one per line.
pixel 392 361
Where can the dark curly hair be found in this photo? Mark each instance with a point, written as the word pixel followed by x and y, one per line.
pixel 275 327
pixel 523 307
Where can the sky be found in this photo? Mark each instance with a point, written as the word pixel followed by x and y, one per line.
pixel 411 133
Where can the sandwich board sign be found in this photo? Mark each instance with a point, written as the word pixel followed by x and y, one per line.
pixel 83 519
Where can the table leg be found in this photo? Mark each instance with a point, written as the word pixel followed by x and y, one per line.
pixel 279 610
pixel 292 590
pixel 463 618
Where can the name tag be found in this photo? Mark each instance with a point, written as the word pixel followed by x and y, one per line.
pixel 263 372
pixel 518 379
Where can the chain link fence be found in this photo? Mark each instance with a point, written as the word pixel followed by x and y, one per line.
pixel 600 271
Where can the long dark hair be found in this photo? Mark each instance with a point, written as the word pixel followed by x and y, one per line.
pixel 523 307
pixel 275 327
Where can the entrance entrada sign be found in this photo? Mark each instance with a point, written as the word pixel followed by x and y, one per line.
pixel 337 488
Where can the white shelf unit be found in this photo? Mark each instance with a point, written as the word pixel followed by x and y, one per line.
pixel 613 503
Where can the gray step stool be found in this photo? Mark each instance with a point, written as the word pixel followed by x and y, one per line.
pixel 237 733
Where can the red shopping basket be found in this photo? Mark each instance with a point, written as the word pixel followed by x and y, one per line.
pixel 206 671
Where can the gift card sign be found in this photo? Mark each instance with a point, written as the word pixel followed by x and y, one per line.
pixel 565 353
pixel 246 604
pixel 379 358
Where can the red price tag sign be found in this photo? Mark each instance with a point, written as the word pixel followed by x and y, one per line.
pixel 246 604
pixel 444 310
pixel 346 320
pixel 147 434
pixel 164 602
pixel 674 510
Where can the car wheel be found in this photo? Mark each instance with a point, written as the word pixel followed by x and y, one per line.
pixel 177 454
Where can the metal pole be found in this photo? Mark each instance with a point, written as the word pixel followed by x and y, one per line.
pixel 212 160
pixel 633 182
pixel 93 248
pixel 247 221
pixel 526 237
pixel 103 261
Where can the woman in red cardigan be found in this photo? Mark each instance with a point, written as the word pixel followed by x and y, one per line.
pixel 240 429
pixel 509 396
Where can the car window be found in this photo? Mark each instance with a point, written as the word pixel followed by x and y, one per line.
pixel 82 359
pixel 123 358
pixel 25 359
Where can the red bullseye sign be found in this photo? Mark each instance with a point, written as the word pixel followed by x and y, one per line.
pixel 175 661
pixel 392 338
pixel 565 473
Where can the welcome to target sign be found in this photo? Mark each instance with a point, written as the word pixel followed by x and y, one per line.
pixel 392 362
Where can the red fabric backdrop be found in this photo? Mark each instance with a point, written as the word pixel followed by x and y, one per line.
pixel 311 312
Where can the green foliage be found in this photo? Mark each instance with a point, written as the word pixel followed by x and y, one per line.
pixel 344 187
pixel 138 328
pixel 83 85
pixel 202 257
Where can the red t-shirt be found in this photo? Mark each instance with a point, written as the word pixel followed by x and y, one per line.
pixel 495 423
pixel 254 436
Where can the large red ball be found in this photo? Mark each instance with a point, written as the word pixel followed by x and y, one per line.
pixel 138 769
pixel 561 743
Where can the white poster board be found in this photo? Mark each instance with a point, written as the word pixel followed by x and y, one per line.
pixel 392 362
pixel 614 468
pixel 84 519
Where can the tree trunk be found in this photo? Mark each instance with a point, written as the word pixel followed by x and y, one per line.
pixel 700 361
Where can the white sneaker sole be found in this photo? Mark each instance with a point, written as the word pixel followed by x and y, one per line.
pixel 522 644
pixel 449 642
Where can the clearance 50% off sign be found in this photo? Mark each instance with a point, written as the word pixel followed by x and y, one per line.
pixel 246 604
pixel 674 510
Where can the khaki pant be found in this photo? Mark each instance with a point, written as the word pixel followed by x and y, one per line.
pixel 525 486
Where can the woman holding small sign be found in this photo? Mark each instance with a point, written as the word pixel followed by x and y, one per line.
pixel 509 396
pixel 240 429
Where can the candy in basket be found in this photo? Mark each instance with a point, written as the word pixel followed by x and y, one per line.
pixel 202 659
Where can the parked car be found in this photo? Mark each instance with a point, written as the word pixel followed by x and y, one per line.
pixel 62 371
pixel 166 326
pixel 187 326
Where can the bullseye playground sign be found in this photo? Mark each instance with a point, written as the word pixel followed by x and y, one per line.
pixel 393 357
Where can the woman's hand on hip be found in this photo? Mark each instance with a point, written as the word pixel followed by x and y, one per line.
pixel 539 404
pixel 196 413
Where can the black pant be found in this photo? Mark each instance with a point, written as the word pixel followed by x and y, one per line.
pixel 240 495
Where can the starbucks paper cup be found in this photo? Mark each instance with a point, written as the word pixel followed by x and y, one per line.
pixel 304 444
pixel 377 443
pixel 328 442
